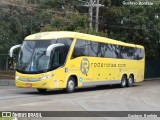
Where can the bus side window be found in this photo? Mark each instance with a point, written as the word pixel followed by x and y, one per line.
pixel 139 54
pixel 123 52
pixel 58 58
pixel 131 53
pixel 80 49
pixel 66 41
pixel 107 51
pixel 92 48
pixel 116 51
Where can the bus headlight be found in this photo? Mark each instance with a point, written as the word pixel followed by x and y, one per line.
pixel 17 77
pixel 46 77
pixel 34 79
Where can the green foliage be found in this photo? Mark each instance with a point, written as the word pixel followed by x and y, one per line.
pixel 69 22
pixel 7 118
pixel 11 28
pixel 130 23
pixel 135 24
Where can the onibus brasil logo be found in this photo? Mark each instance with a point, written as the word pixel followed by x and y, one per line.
pixel 85 66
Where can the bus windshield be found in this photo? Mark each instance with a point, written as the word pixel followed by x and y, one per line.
pixel 32 56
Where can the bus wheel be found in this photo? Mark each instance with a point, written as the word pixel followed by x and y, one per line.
pixel 42 90
pixel 130 81
pixel 70 85
pixel 124 81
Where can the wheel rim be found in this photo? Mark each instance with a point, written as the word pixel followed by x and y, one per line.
pixel 130 81
pixel 70 85
pixel 124 82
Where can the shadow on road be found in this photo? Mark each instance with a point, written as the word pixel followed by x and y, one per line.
pixel 80 90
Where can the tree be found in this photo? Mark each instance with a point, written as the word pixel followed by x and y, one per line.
pixel 134 24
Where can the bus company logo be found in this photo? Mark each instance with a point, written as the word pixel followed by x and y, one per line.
pixel 39 35
pixel 85 66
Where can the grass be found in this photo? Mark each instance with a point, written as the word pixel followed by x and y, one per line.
pixel 7 118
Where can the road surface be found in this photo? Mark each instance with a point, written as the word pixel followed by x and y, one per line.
pixel 144 96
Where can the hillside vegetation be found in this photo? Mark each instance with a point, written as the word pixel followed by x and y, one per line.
pixel 130 23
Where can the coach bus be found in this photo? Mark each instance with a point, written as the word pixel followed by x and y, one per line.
pixel 69 60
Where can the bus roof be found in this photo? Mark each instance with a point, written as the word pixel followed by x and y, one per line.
pixel 68 34
pixel 50 35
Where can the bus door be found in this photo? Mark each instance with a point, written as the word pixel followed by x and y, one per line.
pixel 81 61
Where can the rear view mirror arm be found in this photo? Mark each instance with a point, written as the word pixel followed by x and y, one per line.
pixel 51 47
pixel 12 49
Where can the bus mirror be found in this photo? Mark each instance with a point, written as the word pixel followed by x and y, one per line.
pixel 12 49
pixel 51 47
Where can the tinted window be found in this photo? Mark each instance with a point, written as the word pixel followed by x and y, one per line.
pixel 98 49
pixel 32 57
pixel 101 49
pixel 128 52
pixel 139 54
pixel 131 53
pixel 65 41
pixel 108 51
pixel 105 50
pixel 116 51
pixel 58 57
pixel 92 48
pixel 124 51
pixel 80 49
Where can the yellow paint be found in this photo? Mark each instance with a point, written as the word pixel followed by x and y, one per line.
pixel 59 77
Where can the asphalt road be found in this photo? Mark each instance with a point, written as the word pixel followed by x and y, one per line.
pixel 144 96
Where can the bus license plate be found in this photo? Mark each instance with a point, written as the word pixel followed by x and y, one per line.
pixel 28 84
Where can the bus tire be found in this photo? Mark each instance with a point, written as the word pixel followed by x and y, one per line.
pixel 124 81
pixel 70 85
pixel 130 81
pixel 42 90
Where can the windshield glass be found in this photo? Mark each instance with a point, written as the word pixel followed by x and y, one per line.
pixel 32 57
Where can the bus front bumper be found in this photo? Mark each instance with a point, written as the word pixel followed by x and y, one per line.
pixel 43 84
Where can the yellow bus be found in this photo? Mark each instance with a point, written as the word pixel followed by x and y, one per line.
pixel 69 60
